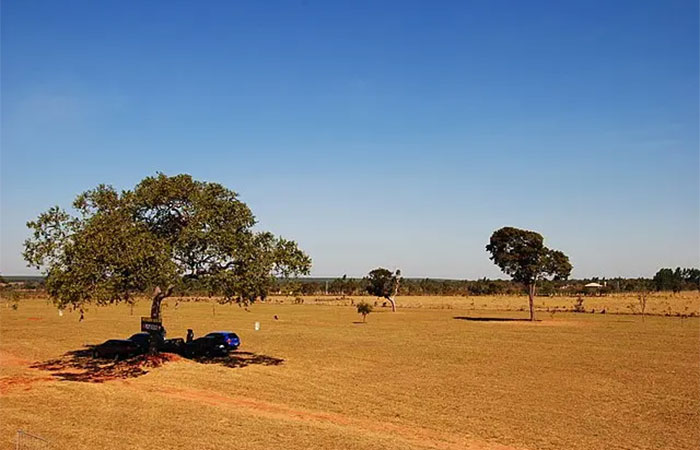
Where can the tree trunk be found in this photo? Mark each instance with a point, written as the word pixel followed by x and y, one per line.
pixel 531 295
pixel 155 306
pixel 158 297
pixel 396 291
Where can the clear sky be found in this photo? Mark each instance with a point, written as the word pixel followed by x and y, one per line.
pixel 374 133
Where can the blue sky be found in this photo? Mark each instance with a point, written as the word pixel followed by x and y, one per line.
pixel 374 133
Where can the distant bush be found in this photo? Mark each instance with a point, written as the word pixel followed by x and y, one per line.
pixel 364 309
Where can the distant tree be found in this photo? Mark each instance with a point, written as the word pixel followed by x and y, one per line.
pixel 339 285
pixel 691 276
pixel 310 288
pixel 522 255
pixel 364 309
pixel 642 300
pixel 668 280
pixel 164 233
pixel 383 283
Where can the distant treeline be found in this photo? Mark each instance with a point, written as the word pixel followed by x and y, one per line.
pixel 666 279
pixel 683 279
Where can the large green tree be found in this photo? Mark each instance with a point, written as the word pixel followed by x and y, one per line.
pixel 382 283
pixel 676 280
pixel 668 280
pixel 522 255
pixel 160 236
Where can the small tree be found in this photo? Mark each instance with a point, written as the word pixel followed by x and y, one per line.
pixel 522 255
pixel 382 283
pixel 642 300
pixel 364 309
pixel 164 234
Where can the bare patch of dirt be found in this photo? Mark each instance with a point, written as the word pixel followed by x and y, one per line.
pixel 25 383
pixel 10 360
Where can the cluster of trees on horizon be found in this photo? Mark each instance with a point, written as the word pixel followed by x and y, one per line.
pixel 666 279
pixel 680 279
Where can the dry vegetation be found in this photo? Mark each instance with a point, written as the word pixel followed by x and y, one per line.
pixel 661 303
pixel 424 377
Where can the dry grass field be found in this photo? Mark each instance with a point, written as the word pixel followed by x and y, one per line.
pixel 661 303
pixel 427 376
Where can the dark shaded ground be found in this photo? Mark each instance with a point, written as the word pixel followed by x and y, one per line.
pixel 491 319
pixel 79 365
pixel 238 359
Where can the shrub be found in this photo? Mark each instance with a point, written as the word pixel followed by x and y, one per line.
pixel 364 309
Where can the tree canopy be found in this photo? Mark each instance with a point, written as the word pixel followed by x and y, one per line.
pixel 364 308
pixel 667 279
pixel 523 255
pixel 161 235
pixel 383 283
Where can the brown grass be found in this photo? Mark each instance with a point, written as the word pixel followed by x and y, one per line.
pixel 659 303
pixel 418 378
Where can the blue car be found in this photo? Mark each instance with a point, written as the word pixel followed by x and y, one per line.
pixel 218 343
pixel 228 339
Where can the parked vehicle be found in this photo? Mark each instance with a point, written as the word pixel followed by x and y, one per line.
pixel 204 346
pixel 218 343
pixel 175 345
pixel 137 344
pixel 228 338
pixel 143 340
pixel 116 349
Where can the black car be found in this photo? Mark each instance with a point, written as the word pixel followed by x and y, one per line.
pixel 116 349
pixel 175 345
pixel 137 344
pixel 143 340
pixel 204 346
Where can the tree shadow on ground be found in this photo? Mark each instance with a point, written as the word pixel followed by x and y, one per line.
pixel 236 360
pixel 81 366
pixel 492 319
